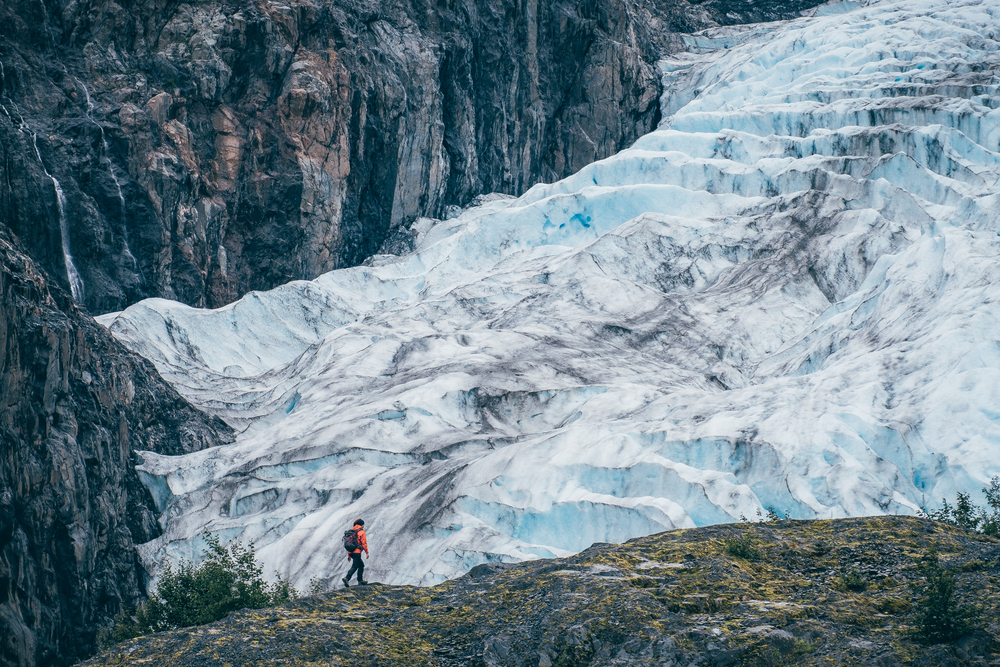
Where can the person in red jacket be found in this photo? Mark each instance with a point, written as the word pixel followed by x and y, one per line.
pixel 356 564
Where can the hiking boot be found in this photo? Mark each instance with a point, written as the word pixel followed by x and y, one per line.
pixel 363 583
pixel 347 584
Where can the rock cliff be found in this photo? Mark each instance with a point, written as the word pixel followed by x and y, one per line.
pixel 200 150
pixel 74 405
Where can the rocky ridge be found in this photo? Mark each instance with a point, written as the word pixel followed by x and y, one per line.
pixel 841 592
pixel 74 405
pixel 197 151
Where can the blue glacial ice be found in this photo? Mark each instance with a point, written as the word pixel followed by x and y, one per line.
pixel 788 294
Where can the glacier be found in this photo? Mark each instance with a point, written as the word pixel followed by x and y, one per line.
pixel 787 295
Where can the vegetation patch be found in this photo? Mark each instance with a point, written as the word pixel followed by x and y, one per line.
pixel 890 605
pixel 743 546
pixel 940 616
pixel 852 581
pixel 968 515
pixel 230 578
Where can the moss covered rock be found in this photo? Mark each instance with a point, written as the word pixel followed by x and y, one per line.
pixel 676 598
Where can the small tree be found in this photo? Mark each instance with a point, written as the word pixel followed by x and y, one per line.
pixel 991 521
pixel 228 579
pixel 939 616
pixel 744 547
pixel 967 514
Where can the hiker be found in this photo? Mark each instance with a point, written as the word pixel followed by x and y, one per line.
pixel 354 542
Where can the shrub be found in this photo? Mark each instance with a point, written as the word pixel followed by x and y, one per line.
pixel 853 581
pixel 939 616
pixel 773 515
pixel 991 524
pixel 317 586
pixel 743 546
pixel 228 579
pixel 966 514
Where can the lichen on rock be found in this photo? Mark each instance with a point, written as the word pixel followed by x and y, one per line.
pixel 676 598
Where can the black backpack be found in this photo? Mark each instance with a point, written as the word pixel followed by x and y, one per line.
pixel 351 541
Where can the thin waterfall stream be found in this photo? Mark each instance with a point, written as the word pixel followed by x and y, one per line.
pixel 104 157
pixel 75 281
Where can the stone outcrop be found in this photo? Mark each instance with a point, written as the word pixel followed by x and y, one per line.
pixel 841 592
pixel 74 406
pixel 210 148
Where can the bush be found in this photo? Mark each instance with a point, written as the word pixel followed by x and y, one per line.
pixel 939 616
pixel 744 546
pixel 991 523
pixel 773 515
pixel 228 579
pixel 853 581
pixel 966 514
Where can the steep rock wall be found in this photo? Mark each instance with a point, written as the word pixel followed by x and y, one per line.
pixel 74 405
pixel 210 148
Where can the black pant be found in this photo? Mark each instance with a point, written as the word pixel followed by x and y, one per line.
pixel 356 565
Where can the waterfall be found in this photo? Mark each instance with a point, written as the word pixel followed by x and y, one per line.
pixel 75 281
pixel 45 21
pixel 104 157
pixel 19 123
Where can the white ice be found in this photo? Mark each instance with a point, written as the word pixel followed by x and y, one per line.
pixel 787 295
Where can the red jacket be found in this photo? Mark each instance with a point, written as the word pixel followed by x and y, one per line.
pixel 361 538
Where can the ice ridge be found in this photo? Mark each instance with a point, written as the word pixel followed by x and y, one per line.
pixel 786 295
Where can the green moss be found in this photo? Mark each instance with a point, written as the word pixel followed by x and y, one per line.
pixel 643 582
pixel 892 605
pixel 974 565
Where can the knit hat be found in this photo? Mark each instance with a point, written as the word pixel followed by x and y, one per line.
pixel 359 522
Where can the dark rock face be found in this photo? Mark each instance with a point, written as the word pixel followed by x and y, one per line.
pixel 210 148
pixel 74 405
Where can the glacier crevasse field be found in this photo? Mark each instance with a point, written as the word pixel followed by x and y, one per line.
pixel 787 295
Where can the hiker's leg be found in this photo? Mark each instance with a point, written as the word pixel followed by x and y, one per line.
pixel 355 563
pixel 356 566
